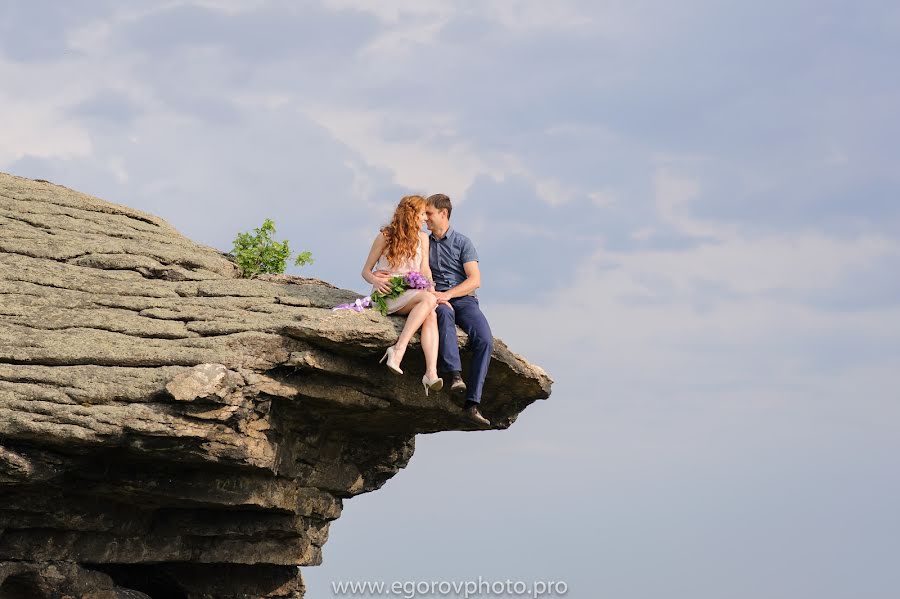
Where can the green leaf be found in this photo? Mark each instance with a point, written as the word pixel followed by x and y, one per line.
pixel 304 258
pixel 258 253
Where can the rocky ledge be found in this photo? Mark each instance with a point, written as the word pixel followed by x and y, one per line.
pixel 170 430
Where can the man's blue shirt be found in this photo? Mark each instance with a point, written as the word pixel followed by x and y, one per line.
pixel 446 257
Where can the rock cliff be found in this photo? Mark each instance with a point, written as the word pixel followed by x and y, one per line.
pixel 170 430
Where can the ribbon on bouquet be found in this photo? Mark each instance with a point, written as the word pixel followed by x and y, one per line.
pixel 358 306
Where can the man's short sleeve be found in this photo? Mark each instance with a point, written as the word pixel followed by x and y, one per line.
pixel 467 252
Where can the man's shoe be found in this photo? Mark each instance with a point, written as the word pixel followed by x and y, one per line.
pixel 474 415
pixel 458 386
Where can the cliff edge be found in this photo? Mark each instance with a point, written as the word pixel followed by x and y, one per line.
pixel 170 430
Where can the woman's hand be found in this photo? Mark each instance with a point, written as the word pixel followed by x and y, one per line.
pixel 442 297
pixel 382 282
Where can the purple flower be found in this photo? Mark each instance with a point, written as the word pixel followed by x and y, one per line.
pixel 415 280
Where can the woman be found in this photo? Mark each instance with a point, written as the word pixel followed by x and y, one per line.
pixel 399 248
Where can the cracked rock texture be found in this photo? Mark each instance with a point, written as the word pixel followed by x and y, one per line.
pixel 168 429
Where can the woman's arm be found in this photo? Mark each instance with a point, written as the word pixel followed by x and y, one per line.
pixel 426 267
pixel 380 281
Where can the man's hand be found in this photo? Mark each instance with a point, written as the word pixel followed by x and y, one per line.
pixel 382 281
pixel 442 297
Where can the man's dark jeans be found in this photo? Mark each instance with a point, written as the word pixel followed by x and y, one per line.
pixel 467 314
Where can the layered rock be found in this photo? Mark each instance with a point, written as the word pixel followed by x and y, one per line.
pixel 168 429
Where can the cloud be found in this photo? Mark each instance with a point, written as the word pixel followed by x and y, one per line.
pixel 255 33
pixel 230 7
pixel 431 159
pixel 109 105
pixel 39 130
pixel 392 12
pixel 737 311
pixel 513 14
pixel 33 119
pixel 35 31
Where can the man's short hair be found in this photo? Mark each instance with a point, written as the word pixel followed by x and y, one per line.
pixel 440 202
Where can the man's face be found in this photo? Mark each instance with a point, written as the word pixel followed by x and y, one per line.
pixel 435 219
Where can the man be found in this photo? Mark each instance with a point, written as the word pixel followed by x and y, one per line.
pixel 454 267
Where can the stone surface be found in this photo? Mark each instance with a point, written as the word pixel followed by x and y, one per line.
pixel 168 429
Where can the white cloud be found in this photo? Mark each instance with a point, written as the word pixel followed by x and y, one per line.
pixel 798 260
pixel 555 192
pixel 673 193
pixel 90 38
pixel 33 120
pixel 427 163
pixel 93 37
pixel 801 262
pixel 524 15
pixel 412 23
pixel 116 166
pixel 603 197
pixel 436 157
pixel 737 310
pixel 228 6
pixel 392 12
pixel 740 346
pixel 38 129
pixel 402 39
pixel 531 15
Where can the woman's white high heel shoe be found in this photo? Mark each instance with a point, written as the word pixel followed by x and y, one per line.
pixel 435 384
pixel 391 364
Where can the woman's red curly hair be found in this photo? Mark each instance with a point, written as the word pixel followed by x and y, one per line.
pixel 403 232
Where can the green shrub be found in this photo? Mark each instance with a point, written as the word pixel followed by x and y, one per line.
pixel 259 254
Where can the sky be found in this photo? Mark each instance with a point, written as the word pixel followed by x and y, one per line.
pixel 686 212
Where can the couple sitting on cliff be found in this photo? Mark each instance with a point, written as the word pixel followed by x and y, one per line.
pixel 448 260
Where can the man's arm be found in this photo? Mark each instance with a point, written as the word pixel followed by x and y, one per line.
pixel 472 282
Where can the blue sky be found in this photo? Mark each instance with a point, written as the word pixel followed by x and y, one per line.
pixel 686 212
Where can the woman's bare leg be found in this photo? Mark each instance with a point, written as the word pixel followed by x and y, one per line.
pixel 417 311
pixel 430 344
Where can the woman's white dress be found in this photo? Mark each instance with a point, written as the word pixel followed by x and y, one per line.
pixel 410 264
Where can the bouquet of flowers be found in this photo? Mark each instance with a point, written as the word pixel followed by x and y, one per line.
pixel 398 284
